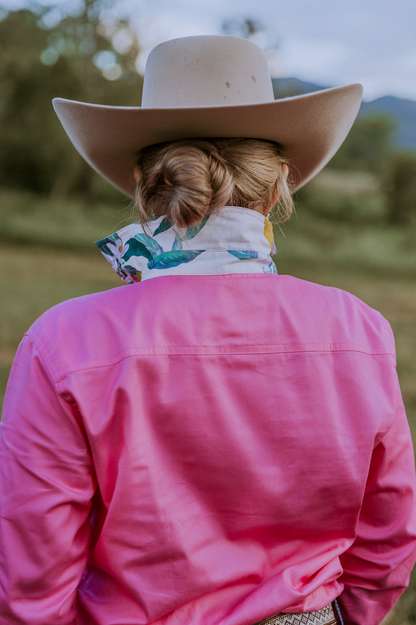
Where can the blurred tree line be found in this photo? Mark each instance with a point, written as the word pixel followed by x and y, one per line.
pixel 90 56
pixel 369 147
pixel 87 57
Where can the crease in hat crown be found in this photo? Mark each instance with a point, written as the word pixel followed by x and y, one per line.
pixel 206 71
pixel 210 86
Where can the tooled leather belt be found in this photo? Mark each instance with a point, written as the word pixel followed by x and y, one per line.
pixel 320 617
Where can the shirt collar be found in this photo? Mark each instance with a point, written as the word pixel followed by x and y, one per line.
pixel 231 240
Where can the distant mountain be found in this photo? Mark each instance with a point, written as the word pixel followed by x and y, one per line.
pixel 287 87
pixel 403 112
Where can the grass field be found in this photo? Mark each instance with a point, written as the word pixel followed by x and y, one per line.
pixel 47 255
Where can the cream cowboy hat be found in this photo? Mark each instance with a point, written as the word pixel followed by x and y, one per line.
pixel 210 86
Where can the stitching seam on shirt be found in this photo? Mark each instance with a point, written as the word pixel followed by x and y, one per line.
pixel 152 353
pixel 44 355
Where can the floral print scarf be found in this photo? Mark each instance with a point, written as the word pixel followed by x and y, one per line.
pixel 231 240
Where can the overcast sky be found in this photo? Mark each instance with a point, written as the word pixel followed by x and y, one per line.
pixel 329 42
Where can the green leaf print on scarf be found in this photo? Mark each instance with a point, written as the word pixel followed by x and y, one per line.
pixel 271 268
pixel 165 224
pixel 102 244
pixel 243 255
pixel 177 244
pixel 173 259
pixel 192 231
pixel 142 245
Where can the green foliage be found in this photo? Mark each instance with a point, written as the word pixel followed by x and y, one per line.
pixel 368 145
pixel 28 219
pixel 38 64
pixel 25 100
pixel 344 196
pixel 401 189
pixel 309 241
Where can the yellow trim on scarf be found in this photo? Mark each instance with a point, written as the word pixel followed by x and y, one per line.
pixel 268 231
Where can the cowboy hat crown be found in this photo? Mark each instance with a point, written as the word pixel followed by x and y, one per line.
pixel 206 71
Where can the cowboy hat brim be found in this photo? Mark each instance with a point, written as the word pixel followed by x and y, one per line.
pixel 310 129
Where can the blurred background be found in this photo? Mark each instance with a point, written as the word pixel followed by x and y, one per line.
pixel 355 224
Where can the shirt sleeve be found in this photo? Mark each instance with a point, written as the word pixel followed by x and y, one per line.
pixel 378 564
pixel 46 486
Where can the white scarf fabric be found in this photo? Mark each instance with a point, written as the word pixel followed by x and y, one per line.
pixel 231 240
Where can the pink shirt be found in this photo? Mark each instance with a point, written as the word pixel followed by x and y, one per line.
pixel 205 450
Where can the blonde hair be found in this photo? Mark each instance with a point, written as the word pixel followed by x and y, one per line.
pixel 184 180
